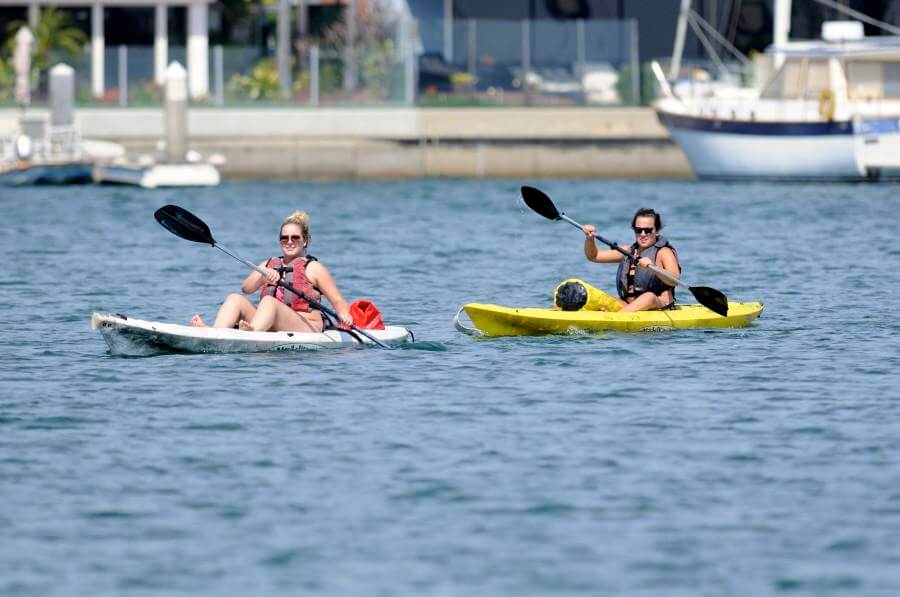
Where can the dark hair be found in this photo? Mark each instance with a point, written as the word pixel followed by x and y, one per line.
pixel 644 212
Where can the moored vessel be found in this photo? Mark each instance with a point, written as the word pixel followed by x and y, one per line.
pixel 824 109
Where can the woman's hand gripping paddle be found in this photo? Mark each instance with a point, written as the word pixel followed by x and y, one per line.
pixel 186 225
pixel 710 298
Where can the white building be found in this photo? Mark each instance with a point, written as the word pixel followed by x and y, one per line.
pixel 197 37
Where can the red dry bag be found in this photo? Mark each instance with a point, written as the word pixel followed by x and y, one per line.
pixel 366 315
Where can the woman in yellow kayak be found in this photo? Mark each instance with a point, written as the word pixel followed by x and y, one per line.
pixel 279 309
pixel 639 288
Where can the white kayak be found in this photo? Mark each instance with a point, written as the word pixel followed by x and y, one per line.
pixel 136 337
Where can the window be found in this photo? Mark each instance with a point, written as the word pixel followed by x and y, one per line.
pixel 869 79
pixel 788 82
pixel 892 79
pixel 865 80
pixel 816 78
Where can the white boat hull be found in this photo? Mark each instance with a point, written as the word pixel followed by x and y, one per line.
pixel 731 150
pixel 162 175
pixel 136 337
pixel 723 155
pixel 878 147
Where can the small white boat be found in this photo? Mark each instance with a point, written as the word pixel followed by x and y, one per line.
pixel 159 175
pixel 41 147
pixel 830 110
pixel 35 151
pixel 136 337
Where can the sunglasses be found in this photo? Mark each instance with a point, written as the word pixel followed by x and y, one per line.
pixel 294 238
pixel 639 229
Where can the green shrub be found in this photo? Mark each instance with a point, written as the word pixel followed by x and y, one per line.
pixel 53 36
pixel 331 75
pixel 261 83
pixel 7 81
pixel 376 67
pixel 647 85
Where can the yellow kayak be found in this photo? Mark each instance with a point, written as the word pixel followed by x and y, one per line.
pixel 495 320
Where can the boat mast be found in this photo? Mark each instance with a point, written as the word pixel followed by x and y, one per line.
pixel 680 32
pixel 782 30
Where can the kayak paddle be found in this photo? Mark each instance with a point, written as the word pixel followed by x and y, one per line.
pixel 710 298
pixel 186 225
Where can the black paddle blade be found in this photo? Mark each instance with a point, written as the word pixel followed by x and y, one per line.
pixel 540 202
pixel 711 298
pixel 183 223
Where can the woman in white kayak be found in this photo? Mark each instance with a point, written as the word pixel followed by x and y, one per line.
pixel 279 309
pixel 640 289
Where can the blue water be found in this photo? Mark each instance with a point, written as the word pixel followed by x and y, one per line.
pixel 753 461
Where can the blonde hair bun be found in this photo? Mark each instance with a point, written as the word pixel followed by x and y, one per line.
pixel 300 218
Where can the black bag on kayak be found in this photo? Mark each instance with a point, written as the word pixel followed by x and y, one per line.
pixel 576 295
pixel 570 296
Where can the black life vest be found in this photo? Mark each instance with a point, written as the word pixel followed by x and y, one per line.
pixel 632 281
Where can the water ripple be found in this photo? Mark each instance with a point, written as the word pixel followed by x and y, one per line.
pixel 717 462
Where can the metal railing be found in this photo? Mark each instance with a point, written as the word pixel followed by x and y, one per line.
pixel 531 62
pixel 466 62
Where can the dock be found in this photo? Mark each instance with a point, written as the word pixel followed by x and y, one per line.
pixel 402 142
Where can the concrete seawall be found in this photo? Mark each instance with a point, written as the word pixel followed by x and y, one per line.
pixel 407 142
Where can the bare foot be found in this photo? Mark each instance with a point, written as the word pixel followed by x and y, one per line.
pixel 197 322
pixel 244 325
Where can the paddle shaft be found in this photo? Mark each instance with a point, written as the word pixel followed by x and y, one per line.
pixel 299 293
pixel 653 268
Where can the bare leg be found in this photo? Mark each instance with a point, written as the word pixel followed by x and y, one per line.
pixel 645 302
pixel 273 315
pixel 234 309
pixel 198 322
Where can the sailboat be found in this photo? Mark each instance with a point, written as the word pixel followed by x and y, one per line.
pixel 829 110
